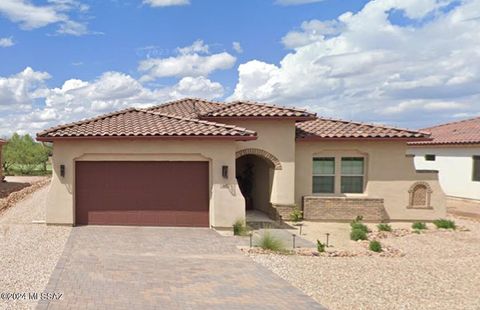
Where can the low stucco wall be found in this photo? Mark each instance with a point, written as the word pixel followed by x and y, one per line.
pixel 389 174
pixel 226 201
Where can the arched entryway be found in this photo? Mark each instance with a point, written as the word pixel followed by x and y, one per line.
pixel 254 174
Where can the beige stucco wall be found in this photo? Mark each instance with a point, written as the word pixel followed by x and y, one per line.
pixel 389 175
pixel 277 138
pixel 226 201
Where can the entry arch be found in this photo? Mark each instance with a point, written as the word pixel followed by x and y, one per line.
pixel 262 153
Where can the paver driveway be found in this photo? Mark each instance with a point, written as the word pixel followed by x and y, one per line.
pixel 164 268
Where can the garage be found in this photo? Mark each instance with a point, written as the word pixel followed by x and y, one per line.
pixel 147 193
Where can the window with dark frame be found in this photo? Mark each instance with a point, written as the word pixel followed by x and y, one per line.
pixel 476 168
pixel 323 175
pixel 352 175
pixel 430 157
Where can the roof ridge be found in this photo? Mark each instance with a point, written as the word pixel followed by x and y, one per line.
pixel 452 123
pixel 85 121
pixel 373 125
pixel 198 121
pixel 269 105
pixel 169 103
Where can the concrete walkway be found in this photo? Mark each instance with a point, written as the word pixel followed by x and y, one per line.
pixel 164 268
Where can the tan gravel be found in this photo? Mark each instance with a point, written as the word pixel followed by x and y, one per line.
pixel 441 270
pixel 29 252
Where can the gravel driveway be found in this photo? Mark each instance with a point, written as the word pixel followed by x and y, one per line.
pixel 440 271
pixel 29 252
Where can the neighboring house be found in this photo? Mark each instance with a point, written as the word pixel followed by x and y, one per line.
pixel 455 153
pixel 193 162
pixel 2 142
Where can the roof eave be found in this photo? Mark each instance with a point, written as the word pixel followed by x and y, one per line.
pixel 432 143
pixel 377 139
pixel 221 138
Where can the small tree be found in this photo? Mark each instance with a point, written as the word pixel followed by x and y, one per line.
pixel 24 153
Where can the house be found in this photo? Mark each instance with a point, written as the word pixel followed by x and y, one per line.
pixel 2 177
pixel 455 153
pixel 193 162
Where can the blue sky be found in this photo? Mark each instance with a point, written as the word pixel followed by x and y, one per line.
pixel 386 61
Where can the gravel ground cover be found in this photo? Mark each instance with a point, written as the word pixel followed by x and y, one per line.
pixel 440 270
pixel 29 252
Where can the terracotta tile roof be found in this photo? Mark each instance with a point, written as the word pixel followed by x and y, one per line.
pixel 142 123
pixel 2 141
pixel 461 132
pixel 323 128
pixel 188 107
pixel 246 109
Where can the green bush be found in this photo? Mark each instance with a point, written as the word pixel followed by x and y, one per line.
pixel 358 234
pixel 419 225
pixel 375 246
pixel 239 228
pixel 296 215
pixel 384 227
pixel 444 223
pixel 320 247
pixel 269 242
pixel 359 226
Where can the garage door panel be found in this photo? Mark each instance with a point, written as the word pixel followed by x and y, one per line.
pixel 142 193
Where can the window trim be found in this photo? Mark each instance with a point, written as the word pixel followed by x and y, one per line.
pixel 325 174
pixel 353 175
pixel 475 161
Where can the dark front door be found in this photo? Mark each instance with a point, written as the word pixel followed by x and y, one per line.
pixel 164 193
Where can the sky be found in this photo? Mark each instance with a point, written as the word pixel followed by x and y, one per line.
pixel 407 63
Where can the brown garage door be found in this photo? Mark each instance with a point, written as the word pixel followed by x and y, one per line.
pixel 142 193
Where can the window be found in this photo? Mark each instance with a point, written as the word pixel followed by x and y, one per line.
pixel 476 168
pixel 430 157
pixel 352 174
pixel 323 175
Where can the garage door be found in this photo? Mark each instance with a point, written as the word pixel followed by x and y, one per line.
pixel 142 193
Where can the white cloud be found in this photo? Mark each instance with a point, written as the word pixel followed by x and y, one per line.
pixel 362 66
pixel 237 47
pixel 163 3
pixel 28 105
pixel 31 16
pixel 190 61
pixel 6 42
pixel 296 2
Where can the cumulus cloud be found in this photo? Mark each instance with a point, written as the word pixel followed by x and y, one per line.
pixel 30 16
pixel 364 66
pixel 28 105
pixel 163 3
pixel 194 60
pixel 6 42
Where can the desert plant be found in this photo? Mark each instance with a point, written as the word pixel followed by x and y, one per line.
pixel 419 225
pixel 296 215
pixel 375 246
pixel 320 246
pixel 239 228
pixel 384 227
pixel 359 226
pixel 269 242
pixel 358 234
pixel 444 223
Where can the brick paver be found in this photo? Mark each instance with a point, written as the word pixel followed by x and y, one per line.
pixel 164 268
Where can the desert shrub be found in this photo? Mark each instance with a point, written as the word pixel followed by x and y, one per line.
pixel 269 242
pixel 419 225
pixel 320 246
pixel 239 228
pixel 375 246
pixel 296 215
pixel 358 234
pixel 444 223
pixel 384 227
pixel 359 226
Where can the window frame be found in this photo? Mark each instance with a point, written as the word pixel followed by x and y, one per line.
pixel 325 174
pixel 475 162
pixel 430 157
pixel 352 175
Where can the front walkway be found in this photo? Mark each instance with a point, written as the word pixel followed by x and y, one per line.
pixel 164 268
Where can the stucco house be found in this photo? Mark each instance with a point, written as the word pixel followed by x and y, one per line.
pixel 193 162
pixel 455 152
